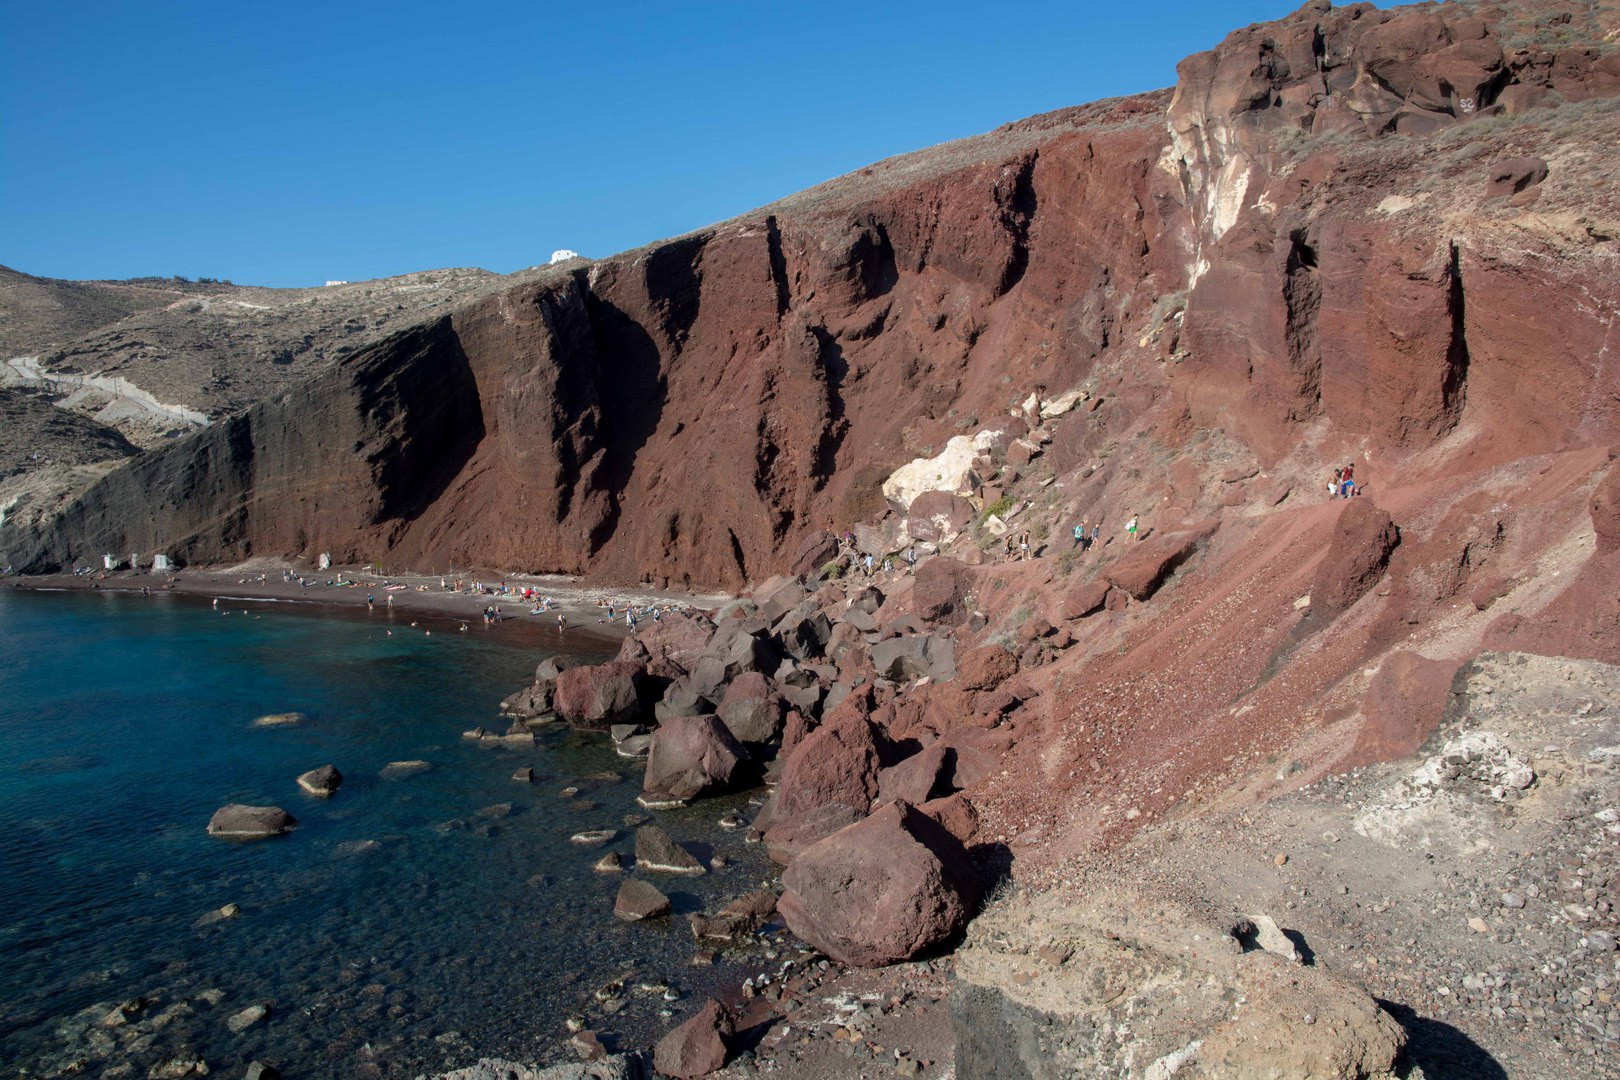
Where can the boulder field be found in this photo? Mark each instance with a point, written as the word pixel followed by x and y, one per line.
pixel 1019 450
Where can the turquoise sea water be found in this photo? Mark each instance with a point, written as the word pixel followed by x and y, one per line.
pixel 406 925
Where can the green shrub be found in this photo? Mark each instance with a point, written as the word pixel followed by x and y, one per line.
pixel 998 508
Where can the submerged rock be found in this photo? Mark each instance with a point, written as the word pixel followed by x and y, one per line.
pixel 279 719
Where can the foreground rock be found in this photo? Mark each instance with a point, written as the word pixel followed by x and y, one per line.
pixel 638 900
pixel 688 756
pixel 699 1046
pixel 656 851
pixel 882 890
pixel 1105 981
pixel 595 697
pixel 238 821
pixel 323 781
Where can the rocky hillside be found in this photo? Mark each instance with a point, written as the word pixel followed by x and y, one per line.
pixel 131 365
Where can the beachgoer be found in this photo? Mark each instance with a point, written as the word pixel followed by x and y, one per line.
pixel 1079 534
pixel 869 565
pixel 1023 547
pixel 1007 548
pixel 1130 529
pixel 911 557
pixel 561 622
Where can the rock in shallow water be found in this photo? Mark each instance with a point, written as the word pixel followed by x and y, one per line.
pixel 279 719
pixel 322 781
pixel 639 900
pixel 238 821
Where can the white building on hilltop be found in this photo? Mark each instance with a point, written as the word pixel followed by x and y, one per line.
pixel 562 255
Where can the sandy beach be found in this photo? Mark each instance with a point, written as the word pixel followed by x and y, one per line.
pixel 426 602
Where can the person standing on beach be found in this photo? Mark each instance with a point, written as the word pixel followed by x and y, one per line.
pixel 562 623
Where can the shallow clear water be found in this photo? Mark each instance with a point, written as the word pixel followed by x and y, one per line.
pixel 396 930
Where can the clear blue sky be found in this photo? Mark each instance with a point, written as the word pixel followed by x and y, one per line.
pixel 284 144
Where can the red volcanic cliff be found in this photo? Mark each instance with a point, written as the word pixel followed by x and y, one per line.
pixel 1297 249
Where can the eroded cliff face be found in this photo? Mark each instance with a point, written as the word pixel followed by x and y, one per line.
pixel 1296 249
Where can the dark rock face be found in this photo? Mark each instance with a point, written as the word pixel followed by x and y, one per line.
pixel 238 821
pixel 405 413
pixel 882 890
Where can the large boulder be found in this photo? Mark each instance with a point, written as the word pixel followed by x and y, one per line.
pixel 681 698
pixel 1363 538
pixel 805 633
pixel 835 763
pixel 949 470
pixel 1404 704
pixel 699 1046
pixel 1086 598
pixel 673 642
pixel 815 551
pixel 688 756
pixel 881 891
pixel 533 700
pixel 939 591
pixel 750 710
pixel 922 776
pixel 986 668
pixel 1145 566
pixel 597 696
pixel 1118 981
pixel 936 517
pixel 1513 175
pixel 238 821
pixel 778 596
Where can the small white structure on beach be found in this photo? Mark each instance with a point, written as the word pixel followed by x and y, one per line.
pixel 325 561
pixel 134 560
pixel 160 562
pixel 109 562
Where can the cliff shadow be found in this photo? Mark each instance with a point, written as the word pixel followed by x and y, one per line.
pixel 627 385
pixel 1440 1050
pixel 425 411
pixel 835 369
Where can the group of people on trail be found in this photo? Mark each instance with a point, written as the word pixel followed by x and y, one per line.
pixel 1016 547
pixel 868 562
pixel 1086 539
pixel 1343 484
